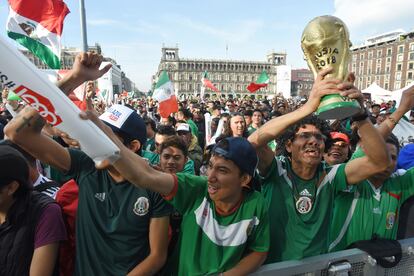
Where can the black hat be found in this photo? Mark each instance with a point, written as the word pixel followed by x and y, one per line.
pixel 13 166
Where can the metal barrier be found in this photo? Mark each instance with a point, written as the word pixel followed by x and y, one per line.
pixel 348 262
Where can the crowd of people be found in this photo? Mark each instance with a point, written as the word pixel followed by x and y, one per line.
pixel 220 187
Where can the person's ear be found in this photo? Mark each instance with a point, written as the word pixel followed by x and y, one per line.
pixel 134 145
pixel 12 187
pixel 245 180
pixel 288 146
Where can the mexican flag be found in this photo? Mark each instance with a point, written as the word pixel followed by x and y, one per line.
pixel 38 26
pixel 262 81
pixel 207 83
pixel 164 94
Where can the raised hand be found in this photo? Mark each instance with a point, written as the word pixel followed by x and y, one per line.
pixel 322 87
pixel 407 99
pixel 85 68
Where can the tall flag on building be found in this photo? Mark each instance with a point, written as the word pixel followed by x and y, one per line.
pixel 38 26
pixel 206 83
pixel 164 94
pixel 262 81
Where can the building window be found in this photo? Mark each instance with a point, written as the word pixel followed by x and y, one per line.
pixel 389 52
pixel 399 67
pixel 386 86
pixel 190 77
pixel 361 56
pixel 388 60
pixel 354 57
pixel 412 47
pixel 369 55
pixel 397 85
pixel 400 58
pixel 410 75
pixel 401 49
pixel 410 66
pixel 387 69
pixel 398 76
pixel 411 56
pixel 190 87
pixel 379 53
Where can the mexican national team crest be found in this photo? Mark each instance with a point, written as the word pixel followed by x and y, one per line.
pixel 390 220
pixel 304 204
pixel 141 206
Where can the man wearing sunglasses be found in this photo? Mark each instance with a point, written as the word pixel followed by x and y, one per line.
pixel 337 149
pixel 298 187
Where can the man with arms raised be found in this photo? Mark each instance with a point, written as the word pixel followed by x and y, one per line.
pixel 225 223
pixel 298 187
pixel 120 228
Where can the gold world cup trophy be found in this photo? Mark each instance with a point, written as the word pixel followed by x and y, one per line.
pixel 325 42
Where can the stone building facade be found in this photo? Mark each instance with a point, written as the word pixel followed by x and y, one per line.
pixel 302 82
pixel 231 77
pixel 386 59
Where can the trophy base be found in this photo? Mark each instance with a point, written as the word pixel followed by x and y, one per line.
pixel 335 107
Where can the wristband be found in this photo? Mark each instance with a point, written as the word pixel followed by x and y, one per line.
pixel 360 117
pixel 393 121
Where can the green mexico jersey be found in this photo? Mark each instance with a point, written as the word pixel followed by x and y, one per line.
pixel 112 220
pixel 364 210
pixel 154 159
pixel 210 243
pixel 300 213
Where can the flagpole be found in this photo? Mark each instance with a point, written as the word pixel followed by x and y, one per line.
pixel 83 25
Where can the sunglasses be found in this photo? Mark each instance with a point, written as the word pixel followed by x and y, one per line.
pixel 308 135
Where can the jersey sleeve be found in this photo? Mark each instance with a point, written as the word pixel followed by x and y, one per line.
pixel 160 207
pixel 406 183
pixel 80 164
pixel 50 228
pixel 188 189
pixel 259 240
pixel 189 167
pixel 265 179
pixel 337 177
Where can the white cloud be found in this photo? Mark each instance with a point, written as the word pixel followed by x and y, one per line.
pixel 369 16
pixel 102 22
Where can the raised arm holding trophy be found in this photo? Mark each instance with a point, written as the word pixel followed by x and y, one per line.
pixel 325 42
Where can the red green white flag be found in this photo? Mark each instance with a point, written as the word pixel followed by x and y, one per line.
pixel 207 83
pixel 262 81
pixel 164 94
pixel 38 26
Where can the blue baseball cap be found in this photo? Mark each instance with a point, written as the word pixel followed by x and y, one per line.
pixel 124 120
pixel 406 157
pixel 240 151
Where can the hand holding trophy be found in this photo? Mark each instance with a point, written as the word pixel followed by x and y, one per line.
pixel 325 42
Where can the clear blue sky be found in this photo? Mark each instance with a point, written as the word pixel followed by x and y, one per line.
pixel 133 31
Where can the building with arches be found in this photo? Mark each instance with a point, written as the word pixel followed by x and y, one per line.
pixel 231 77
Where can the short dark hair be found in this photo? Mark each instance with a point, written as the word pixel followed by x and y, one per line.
pixel 186 113
pixel 393 140
pixel 151 122
pixel 166 130
pixel 175 142
pixel 290 132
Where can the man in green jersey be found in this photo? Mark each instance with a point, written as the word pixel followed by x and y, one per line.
pixel 225 226
pixel 299 188
pixel 120 228
pixel 372 207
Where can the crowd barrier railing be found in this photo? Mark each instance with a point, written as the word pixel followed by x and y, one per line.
pixel 341 263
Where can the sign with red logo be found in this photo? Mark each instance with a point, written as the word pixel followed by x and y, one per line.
pixel 40 103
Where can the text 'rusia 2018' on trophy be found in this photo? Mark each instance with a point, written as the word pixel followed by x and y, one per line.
pixel 325 42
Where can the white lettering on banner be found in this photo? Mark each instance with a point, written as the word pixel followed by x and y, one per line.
pixel 40 103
